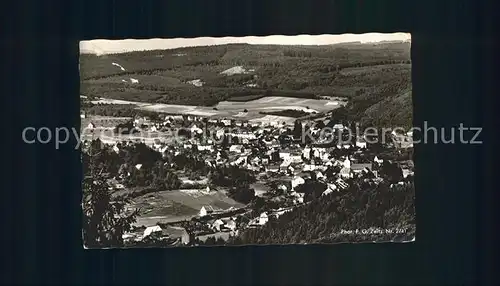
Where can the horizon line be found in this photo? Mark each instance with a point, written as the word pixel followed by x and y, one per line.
pixel 104 46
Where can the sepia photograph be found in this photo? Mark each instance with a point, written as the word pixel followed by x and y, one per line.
pixel 234 141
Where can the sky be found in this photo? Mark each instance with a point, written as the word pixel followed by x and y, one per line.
pixel 100 46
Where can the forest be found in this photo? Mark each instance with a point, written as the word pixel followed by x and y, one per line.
pixel 336 217
pixel 375 77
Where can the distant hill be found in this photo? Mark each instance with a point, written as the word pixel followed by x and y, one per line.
pixel 372 76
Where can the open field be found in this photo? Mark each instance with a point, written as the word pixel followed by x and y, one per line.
pixel 177 205
pixel 248 110
pixel 260 188
pixel 280 103
pixel 211 76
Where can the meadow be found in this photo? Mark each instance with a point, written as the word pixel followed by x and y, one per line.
pixel 370 75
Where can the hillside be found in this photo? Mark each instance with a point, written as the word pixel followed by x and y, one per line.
pixel 376 77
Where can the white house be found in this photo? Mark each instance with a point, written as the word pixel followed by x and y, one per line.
pixel 138 166
pixel 283 188
pixel 231 224
pixel 361 144
pixel 319 175
pixel 341 184
pixel 377 160
pixel 306 153
pixel 406 173
pixel 345 172
pixel 284 155
pixel 196 129
pixel 297 181
pixel 205 147
pixel 205 211
pixel 217 224
pixel 236 148
pixel 330 188
pixel 310 167
pixel 347 163
pixel 338 126
pixel 263 219
pixel 327 192
pixel 91 125
pixel 151 229
pixel 220 132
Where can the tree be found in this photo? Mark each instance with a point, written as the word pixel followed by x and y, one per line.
pixel 297 129
pixel 242 194
pixel 312 189
pixel 104 216
pixel 391 172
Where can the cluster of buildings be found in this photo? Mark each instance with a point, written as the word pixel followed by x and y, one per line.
pixel 270 152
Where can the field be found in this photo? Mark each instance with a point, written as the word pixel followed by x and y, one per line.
pixel 370 75
pixel 236 109
pixel 177 205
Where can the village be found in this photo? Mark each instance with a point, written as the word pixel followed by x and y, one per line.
pixel 277 156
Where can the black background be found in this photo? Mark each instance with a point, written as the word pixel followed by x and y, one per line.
pixel 452 60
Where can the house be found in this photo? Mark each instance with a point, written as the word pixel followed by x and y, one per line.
pixel 138 166
pixel 356 167
pixel 263 219
pixel 83 115
pixel 273 168
pixel 316 153
pixel 205 210
pixel 152 229
pixel 119 186
pixel 217 224
pixel 283 188
pixel 328 190
pixel 407 172
pixel 226 122
pixel 207 190
pixel 341 184
pixel 345 173
pixel 219 133
pixel 297 181
pixel 284 155
pixel 347 163
pixel 299 199
pixel 285 164
pixel 319 175
pixel 240 161
pixel 185 237
pixel 116 149
pixel 91 125
pixel 338 126
pixel 306 153
pixel 230 224
pixel 236 149
pixel 196 129
pixel 361 144
pixel 205 147
pixel 377 160
pixel 309 167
